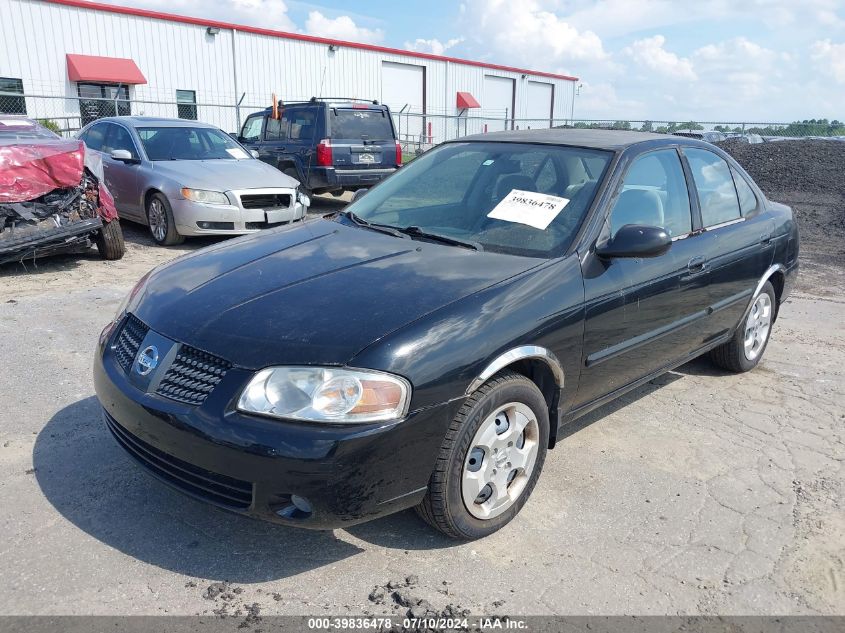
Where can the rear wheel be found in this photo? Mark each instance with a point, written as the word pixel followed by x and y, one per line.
pixel 109 240
pixel 290 171
pixel 161 223
pixel 746 348
pixel 490 459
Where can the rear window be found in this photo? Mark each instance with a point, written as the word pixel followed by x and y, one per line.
pixel 372 125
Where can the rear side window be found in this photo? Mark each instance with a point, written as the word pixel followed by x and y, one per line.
pixel 747 199
pixel 252 128
pixel 372 125
pixel 654 193
pixel 715 185
pixel 302 123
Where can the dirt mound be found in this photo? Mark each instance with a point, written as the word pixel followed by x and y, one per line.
pixel 809 176
pixel 808 166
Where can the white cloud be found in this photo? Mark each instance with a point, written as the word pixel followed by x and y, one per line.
pixel 433 46
pixel 341 28
pixel 524 32
pixel 830 58
pixel 649 52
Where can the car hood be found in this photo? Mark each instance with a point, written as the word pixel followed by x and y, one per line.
pixel 223 175
pixel 315 293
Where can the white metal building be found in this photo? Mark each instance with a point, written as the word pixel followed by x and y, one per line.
pixel 67 56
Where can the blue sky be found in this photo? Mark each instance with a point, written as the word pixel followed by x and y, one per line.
pixel 707 60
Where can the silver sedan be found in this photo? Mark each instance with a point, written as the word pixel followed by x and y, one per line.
pixel 183 178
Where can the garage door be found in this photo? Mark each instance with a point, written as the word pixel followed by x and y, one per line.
pixel 401 85
pixel 539 101
pixel 497 100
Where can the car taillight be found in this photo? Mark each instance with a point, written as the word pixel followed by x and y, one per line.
pixel 398 154
pixel 324 153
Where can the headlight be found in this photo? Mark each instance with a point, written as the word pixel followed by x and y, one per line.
pixel 304 200
pixel 206 197
pixel 326 394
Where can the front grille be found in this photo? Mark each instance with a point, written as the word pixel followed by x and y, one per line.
pixel 266 225
pixel 132 332
pixel 265 200
pixel 192 376
pixel 198 482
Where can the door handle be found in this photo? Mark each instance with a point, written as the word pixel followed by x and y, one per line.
pixel 765 238
pixel 697 264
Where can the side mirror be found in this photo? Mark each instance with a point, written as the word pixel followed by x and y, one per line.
pixel 123 155
pixel 236 136
pixel 253 153
pixel 359 193
pixel 636 240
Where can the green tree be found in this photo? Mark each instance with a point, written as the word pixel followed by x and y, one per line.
pixel 647 126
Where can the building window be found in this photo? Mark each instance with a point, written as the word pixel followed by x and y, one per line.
pixel 99 100
pixel 9 104
pixel 186 104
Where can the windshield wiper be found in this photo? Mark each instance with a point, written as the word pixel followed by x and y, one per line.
pixel 381 228
pixel 416 231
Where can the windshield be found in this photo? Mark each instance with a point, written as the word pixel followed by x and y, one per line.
pixel 373 125
pixel 189 143
pixel 472 192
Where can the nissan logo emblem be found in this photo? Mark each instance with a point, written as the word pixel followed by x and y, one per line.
pixel 147 360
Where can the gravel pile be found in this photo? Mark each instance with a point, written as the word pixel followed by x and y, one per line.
pixel 809 176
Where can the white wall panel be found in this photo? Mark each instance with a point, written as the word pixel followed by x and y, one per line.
pixel 36 36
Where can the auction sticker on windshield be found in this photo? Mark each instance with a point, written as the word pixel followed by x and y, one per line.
pixel 529 207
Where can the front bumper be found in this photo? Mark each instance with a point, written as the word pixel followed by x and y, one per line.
pixel 252 465
pixel 194 218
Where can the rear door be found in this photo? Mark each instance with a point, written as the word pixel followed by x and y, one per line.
pixel 737 236
pixel 362 138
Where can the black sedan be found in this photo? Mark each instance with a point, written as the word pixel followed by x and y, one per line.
pixel 425 346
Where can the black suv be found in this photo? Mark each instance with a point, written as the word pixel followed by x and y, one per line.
pixel 327 145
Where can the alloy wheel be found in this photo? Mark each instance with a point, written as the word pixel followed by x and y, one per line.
pixel 500 460
pixel 157 216
pixel 757 326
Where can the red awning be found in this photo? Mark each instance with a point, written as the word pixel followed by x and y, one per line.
pixel 111 70
pixel 466 100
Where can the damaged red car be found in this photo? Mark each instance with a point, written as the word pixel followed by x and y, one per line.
pixel 52 196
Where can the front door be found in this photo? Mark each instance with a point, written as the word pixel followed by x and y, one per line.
pixel 635 322
pixel 121 176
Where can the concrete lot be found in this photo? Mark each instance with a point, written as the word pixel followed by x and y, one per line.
pixel 701 493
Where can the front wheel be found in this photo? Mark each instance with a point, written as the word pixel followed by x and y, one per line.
pixel 490 460
pixel 109 240
pixel 745 349
pixel 161 223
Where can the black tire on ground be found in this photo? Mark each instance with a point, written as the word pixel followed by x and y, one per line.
pixel 109 240
pixel 290 171
pixel 731 355
pixel 443 506
pixel 170 236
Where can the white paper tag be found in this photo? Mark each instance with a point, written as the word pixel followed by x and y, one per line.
pixel 237 152
pixel 529 207
pixel 15 122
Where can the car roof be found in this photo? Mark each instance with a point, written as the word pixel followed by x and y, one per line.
pixel 592 138
pixel 142 121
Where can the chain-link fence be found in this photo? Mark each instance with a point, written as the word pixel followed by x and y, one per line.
pixel 416 131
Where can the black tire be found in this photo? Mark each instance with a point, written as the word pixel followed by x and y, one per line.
pixel 290 171
pixel 443 506
pixel 169 236
pixel 110 242
pixel 731 356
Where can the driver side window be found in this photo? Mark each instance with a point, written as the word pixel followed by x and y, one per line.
pixel 654 193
